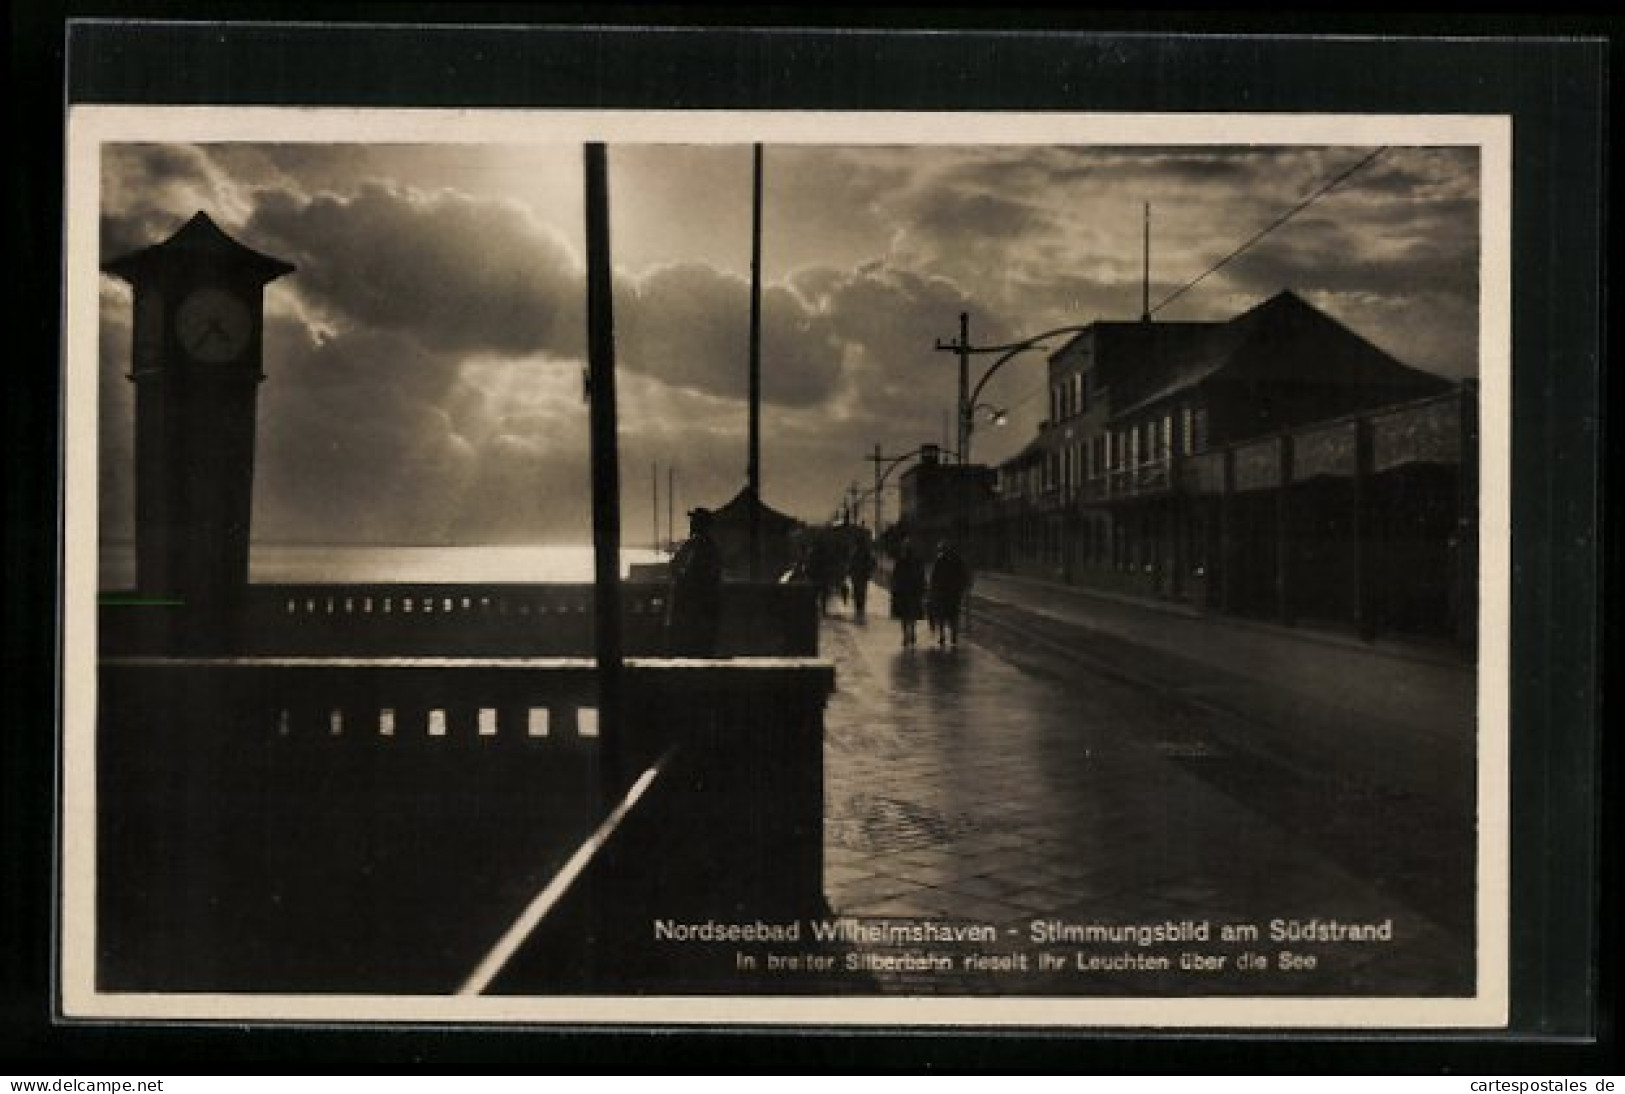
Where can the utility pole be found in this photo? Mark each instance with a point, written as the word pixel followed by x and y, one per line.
pixel 754 471
pixel 878 459
pixel 961 347
pixel 606 476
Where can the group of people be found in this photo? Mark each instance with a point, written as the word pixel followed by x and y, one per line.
pixel 832 570
pixel 936 593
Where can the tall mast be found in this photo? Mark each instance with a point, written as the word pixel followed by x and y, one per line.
pixel 1145 266
pixel 754 469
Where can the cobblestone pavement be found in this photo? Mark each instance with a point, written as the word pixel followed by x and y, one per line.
pixel 961 789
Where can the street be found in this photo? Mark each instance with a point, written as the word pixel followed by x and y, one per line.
pixel 1058 802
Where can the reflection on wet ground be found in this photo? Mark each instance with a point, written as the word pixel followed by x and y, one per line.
pixel 960 787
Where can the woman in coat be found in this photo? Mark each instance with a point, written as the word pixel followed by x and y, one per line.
pixel 908 592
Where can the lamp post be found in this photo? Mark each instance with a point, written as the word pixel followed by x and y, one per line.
pixel 968 394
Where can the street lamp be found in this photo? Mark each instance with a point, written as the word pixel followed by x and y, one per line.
pixel 998 415
pixel 968 394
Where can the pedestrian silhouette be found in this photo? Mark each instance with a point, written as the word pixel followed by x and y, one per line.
pixel 945 593
pixel 908 592
pixel 859 568
pixel 694 602
pixel 823 570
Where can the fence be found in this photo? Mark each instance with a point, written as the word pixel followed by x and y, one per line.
pixel 515 620
pixel 374 824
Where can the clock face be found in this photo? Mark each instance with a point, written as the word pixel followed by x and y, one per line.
pixel 213 326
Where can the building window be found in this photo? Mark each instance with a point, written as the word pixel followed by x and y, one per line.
pixel 1186 431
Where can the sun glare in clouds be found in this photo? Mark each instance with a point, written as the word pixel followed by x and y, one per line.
pixel 427 352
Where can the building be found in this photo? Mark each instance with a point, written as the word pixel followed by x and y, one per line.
pixel 1274 464
pixel 938 498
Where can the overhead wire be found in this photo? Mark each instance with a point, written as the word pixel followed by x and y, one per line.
pixel 1274 224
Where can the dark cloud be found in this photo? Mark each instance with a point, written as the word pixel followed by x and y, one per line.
pixel 1431 175
pixel 890 318
pixel 977 216
pixel 310 168
pixel 1339 257
pixel 424 360
pixel 149 190
pixel 356 443
pixel 457 274
pixel 689 326
pixel 356 365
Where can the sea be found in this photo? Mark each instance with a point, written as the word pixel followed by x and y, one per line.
pixel 308 563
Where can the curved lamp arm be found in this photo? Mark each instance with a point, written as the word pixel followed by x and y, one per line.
pixel 1015 349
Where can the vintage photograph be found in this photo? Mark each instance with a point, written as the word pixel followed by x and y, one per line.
pixel 648 567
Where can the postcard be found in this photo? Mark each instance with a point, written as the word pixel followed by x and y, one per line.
pixel 786 569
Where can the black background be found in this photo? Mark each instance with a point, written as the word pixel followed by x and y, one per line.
pixel 1550 78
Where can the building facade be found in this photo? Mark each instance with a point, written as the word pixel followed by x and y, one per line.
pixel 940 499
pixel 1275 464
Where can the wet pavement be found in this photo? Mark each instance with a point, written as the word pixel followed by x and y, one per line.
pixel 1102 835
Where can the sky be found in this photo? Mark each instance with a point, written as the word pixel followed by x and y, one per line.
pixel 424 363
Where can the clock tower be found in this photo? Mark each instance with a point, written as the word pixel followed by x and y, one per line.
pixel 196 364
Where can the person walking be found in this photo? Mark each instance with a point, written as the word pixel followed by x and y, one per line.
pixel 694 600
pixel 859 569
pixel 822 567
pixel 945 593
pixel 908 592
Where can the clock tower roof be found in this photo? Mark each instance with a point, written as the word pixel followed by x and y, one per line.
pixel 198 244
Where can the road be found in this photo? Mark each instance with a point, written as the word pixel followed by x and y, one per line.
pixel 1033 783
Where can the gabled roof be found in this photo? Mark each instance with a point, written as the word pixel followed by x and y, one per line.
pixel 198 240
pixel 1118 338
pixel 1280 339
pixel 739 506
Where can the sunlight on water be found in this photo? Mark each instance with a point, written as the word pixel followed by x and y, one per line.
pixel 298 564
